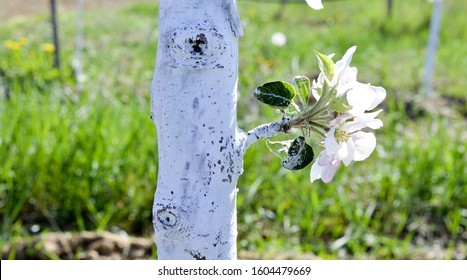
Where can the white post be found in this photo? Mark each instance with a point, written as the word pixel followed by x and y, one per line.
pixel 78 42
pixel 193 104
pixel 435 24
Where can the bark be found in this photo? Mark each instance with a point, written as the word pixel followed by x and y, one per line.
pixel 193 103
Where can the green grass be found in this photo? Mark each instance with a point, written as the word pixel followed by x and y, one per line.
pixel 85 157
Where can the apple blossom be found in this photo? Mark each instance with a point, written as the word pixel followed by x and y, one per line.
pixel 345 142
pixel 341 113
pixel 315 4
pixel 360 97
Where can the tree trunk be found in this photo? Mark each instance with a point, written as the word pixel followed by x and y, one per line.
pixel 193 104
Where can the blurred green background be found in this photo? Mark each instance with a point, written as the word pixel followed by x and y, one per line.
pixel 83 157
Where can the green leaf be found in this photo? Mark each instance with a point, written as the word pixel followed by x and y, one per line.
pixel 302 86
pixel 299 155
pixel 279 148
pixel 276 94
pixel 326 65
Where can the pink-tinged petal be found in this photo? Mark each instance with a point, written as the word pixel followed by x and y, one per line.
pixel 315 4
pixel 324 168
pixel 330 142
pixel 328 172
pixel 365 143
pixel 324 159
pixel 315 172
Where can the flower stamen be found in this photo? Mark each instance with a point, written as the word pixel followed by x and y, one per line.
pixel 341 135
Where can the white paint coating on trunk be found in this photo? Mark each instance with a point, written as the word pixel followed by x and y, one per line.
pixel 193 103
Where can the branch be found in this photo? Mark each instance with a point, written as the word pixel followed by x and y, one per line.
pixel 266 131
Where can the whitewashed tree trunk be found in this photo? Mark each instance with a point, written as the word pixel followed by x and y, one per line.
pixel 194 97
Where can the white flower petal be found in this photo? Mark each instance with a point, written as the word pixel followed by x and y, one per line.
pixel 364 97
pixel 340 119
pixel 349 75
pixel 324 168
pixel 330 143
pixel 317 84
pixel 328 172
pixel 379 96
pixel 341 65
pixel 365 143
pixel 324 159
pixel 347 80
pixel 351 152
pixel 360 98
pixel 374 124
pixel 342 151
pixel 315 4
pixel 315 172
pixel 363 120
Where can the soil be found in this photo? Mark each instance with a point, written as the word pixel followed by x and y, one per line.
pixel 84 245
pixel 113 246
pixel 101 246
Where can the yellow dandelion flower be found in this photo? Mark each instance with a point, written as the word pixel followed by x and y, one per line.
pixel 12 45
pixel 23 41
pixel 48 47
